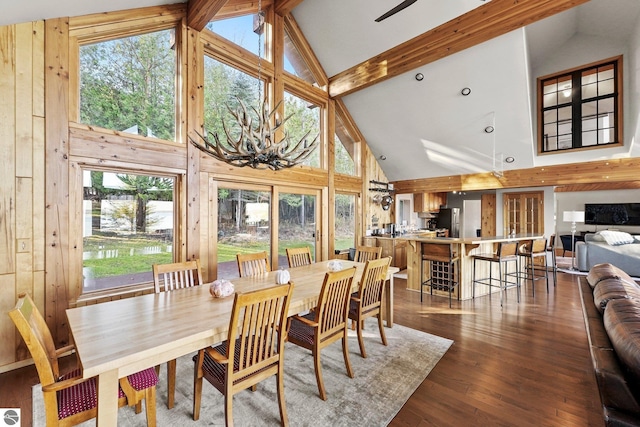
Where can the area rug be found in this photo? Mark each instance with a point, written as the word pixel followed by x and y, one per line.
pixel 382 384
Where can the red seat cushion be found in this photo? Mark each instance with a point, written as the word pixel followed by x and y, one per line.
pixel 83 397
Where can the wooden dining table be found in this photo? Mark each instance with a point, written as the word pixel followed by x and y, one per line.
pixel 117 338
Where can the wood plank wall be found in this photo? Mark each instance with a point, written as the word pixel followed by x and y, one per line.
pixel 22 218
pixel 41 197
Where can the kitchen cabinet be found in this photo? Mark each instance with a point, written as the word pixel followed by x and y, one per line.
pixel 393 247
pixel 428 202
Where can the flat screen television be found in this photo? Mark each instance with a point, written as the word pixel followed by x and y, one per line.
pixel 612 213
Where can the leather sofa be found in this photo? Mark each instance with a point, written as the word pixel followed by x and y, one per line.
pixel 611 308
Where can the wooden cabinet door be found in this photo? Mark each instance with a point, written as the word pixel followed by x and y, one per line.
pixel 418 202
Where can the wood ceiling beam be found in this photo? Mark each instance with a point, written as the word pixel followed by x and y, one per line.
pixel 201 12
pixel 612 173
pixel 474 27
pixel 284 7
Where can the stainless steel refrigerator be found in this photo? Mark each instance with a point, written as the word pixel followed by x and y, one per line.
pixel 449 218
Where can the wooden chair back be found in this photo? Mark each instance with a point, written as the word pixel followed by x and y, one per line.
pixel 333 305
pixel 366 253
pixel 170 277
pixel 254 349
pixel 368 301
pixel 298 256
pixel 371 287
pixel 253 264
pixel 36 334
pixel 177 275
pixel 327 323
pixel 261 318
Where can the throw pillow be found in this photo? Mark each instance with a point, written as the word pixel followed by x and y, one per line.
pixel 616 238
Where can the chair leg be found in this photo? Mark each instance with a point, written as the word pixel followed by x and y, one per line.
pixel 284 420
pixel 150 404
pixel 473 279
pixel 197 385
pixel 345 352
pixel 228 409
pixel 318 368
pixel 363 352
pixel 381 327
pixel 501 280
pixel 171 383
pixel 421 277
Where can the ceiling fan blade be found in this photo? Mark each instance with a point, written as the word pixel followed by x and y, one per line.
pixel 398 8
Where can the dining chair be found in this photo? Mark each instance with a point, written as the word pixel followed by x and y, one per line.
pixel 298 256
pixel 365 253
pixel 254 348
pixel 326 323
pixel 367 302
pixel 253 264
pixel 169 277
pixel 69 399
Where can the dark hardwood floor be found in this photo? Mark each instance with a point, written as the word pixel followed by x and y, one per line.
pixel 525 364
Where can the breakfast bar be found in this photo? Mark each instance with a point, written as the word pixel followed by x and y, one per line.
pixel 465 247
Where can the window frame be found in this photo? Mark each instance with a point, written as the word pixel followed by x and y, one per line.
pixel 98 28
pixel 77 200
pixel 576 103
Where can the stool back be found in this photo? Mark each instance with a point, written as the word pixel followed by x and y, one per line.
pixel 507 249
pixel 437 252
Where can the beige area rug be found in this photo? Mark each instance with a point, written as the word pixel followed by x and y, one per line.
pixel 383 382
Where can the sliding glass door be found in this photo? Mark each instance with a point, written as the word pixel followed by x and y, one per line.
pixel 297 222
pixel 244 225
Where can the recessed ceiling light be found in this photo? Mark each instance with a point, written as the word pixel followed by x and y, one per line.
pixel 510 159
pixel 489 129
pixel 465 91
pixel 382 157
pixel 419 77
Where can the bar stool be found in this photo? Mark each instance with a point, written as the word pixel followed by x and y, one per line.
pixel 507 252
pixel 536 249
pixel 441 261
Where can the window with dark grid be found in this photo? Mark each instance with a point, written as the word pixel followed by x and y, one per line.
pixel 581 108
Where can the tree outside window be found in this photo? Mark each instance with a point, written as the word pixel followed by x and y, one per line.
pixel 128 84
pixel 128 226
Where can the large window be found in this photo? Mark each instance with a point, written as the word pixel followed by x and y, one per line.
pixel 304 123
pixel 128 84
pixel 225 86
pixel 128 226
pixel 581 108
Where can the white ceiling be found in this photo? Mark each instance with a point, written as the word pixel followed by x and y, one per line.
pixel 425 129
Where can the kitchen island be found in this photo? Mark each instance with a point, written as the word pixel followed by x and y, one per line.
pixel 466 247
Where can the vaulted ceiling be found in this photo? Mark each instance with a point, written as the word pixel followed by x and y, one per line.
pixel 427 128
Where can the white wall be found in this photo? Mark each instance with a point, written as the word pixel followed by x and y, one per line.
pixel 575 201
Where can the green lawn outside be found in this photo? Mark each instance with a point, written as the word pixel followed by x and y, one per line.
pixel 125 263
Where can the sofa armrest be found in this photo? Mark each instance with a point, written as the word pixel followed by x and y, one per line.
pixel 581 256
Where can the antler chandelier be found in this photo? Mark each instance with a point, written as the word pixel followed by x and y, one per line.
pixel 256 145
